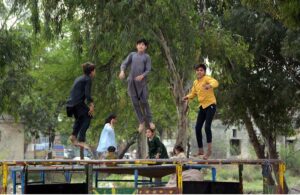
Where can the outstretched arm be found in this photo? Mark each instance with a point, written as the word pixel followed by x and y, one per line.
pixel 124 65
pixel 211 83
pixel 192 94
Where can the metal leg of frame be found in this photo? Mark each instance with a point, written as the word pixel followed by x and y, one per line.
pixel 179 178
pixel 214 173
pixel 14 181
pixel 241 167
pixel 281 171
pixel 4 177
pixel 136 178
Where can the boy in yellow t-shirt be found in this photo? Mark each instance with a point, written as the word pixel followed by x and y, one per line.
pixel 203 88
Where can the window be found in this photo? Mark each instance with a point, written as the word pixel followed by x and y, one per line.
pixel 235 147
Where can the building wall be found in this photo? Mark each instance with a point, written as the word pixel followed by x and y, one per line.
pixel 221 136
pixel 11 139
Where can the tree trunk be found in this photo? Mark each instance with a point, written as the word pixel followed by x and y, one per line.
pixel 51 141
pixel 188 148
pixel 123 149
pixel 34 153
pixel 272 150
pixel 178 92
pixel 141 146
pixel 259 149
pixel 274 155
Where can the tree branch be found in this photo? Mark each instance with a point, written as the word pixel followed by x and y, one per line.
pixel 259 149
pixel 11 11
pixel 18 19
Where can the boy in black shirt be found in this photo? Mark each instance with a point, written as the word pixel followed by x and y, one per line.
pixel 76 105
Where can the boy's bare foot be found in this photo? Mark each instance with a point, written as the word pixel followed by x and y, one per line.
pixel 152 126
pixel 73 139
pixel 83 145
pixel 141 127
pixel 200 152
pixel 207 155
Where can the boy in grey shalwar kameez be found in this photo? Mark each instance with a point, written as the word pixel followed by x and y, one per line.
pixel 137 82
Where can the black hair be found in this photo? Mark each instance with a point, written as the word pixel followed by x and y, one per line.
pixel 203 66
pixel 143 41
pixel 88 67
pixel 111 149
pixel 179 148
pixel 110 117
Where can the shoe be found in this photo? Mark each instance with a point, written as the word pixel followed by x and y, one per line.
pixel 152 126
pixel 141 127
pixel 73 140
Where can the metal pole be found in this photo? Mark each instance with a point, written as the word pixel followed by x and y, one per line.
pixel 81 153
pixel 24 179
pixel 136 177
pixel 89 178
pixel 241 168
pixel 67 175
pixel 96 179
pixel 4 177
pixel 214 174
pixel 281 171
pixel 14 180
pixel 42 175
pixel 179 178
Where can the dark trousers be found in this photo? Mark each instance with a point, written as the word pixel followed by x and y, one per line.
pixel 206 115
pixel 82 121
pixel 141 107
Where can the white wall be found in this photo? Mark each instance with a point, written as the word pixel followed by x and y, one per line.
pixel 11 139
pixel 221 136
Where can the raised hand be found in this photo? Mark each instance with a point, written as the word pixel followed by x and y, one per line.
pixel 122 75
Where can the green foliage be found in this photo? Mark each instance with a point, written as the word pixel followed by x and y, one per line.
pixel 255 58
pixel 15 81
pixel 287 12
pixel 105 32
pixel 267 88
pixel 291 45
pixel 227 51
pixel 291 158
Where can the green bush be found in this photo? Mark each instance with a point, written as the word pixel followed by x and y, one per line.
pixel 291 158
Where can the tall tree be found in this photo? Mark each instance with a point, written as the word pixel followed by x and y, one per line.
pixel 169 25
pixel 262 95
